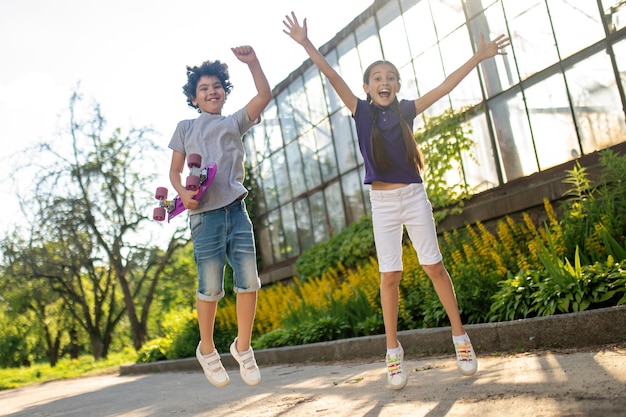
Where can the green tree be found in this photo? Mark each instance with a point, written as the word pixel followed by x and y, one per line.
pixel 89 225
pixel 445 140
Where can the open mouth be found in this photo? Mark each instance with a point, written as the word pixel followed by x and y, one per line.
pixel 384 93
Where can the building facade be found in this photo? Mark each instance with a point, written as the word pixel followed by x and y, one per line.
pixel 556 96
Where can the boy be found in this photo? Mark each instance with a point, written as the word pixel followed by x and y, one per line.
pixel 220 226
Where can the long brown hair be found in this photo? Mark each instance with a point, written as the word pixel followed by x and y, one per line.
pixel 379 154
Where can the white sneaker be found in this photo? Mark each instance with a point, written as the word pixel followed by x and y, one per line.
pixel 466 360
pixel 396 377
pixel 247 364
pixel 213 368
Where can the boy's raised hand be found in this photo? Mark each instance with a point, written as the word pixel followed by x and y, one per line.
pixel 298 33
pixel 244 53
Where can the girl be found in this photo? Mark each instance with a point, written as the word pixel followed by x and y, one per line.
pixel 393 166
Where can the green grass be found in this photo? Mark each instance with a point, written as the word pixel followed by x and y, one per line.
pixel 65 369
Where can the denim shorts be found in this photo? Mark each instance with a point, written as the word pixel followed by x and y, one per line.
pixel 409 207
pixel 219 235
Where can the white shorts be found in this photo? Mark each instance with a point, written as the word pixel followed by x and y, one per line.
pixel 391 210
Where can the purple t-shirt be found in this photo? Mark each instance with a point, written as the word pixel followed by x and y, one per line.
pixel 388 121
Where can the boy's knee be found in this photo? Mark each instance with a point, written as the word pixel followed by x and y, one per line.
pixel 208 295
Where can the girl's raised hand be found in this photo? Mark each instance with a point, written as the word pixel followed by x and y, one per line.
pixel 244 53
pixel 492 48
pixel 298 33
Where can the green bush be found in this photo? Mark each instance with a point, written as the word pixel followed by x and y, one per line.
pixel 185 338
pixel 514 299
pixel 590 211
pixel 351 247
pixel 154 350
pixel 308 323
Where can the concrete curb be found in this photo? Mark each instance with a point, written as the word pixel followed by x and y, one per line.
pixel 574 330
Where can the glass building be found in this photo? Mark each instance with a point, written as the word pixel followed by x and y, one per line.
pixel 557 95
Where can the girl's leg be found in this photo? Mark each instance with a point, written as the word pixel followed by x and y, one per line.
pixel 445 290
pixel 206 323
pixel 389 287
pixel 246 308
pixel 465 355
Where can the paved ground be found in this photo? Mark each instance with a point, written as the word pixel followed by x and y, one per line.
pixel 570 365
pixel 590 382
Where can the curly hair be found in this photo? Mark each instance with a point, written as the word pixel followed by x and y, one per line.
pixel 209 68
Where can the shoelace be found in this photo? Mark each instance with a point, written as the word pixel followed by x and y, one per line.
pixel 393 365
pixel 464 352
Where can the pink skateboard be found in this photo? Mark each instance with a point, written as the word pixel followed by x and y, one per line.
pixel 198 179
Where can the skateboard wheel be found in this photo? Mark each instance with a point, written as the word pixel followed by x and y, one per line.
pixel 194 160
pixel 193 183
pixel 158 214
pixel 161 193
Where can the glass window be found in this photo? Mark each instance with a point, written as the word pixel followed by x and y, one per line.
pixel 252 157
pixel 514 140
pixel 620 57
pixel 615 13
pixel 309 159
pixel 315 94
pixel 303 222
pixel 392 34
pixel 268 130
pixel 326 150
pixel 429 74
pixel 479 163
pixel 256 150
pixel 283 185
pixel 551 121
pixel 596 102
pixel 456 49
pixel 576 25
pixel 274 226
pixel 269 186
pixel 409 83
pixel 334 102
pixel 368 43
pixel 287 121
pixel 499 72
pixel 319 222
pixel 534 49
pixel 334 206
pixel 257 190
pixel 352 196
pixel 350 65
pixel 263 234
pixel 448 15
pixel 476 7
pixel 300 106
pixel 289 236
pixel 344 143
pixel 420 29
pixel 296 169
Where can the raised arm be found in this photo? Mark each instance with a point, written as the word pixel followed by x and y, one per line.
pixel 298 33
pixel 264 93
pixel 485 50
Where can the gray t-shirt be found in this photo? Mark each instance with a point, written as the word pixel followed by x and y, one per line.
pixel 218 139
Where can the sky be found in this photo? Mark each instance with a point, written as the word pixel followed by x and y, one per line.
pixel 130 56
